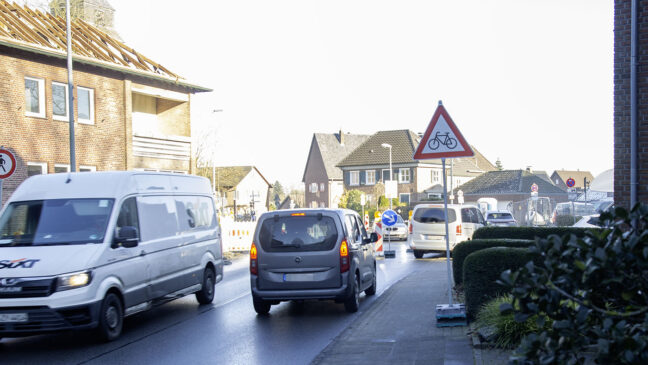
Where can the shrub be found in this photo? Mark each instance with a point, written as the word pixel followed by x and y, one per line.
pixel 465 248
pixel 482 269
pixel 594 289
pixel 527 233
pixel 507 331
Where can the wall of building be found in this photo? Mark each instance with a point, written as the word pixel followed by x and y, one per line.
pixel 34 139
pixel 316 173
pixel 622 102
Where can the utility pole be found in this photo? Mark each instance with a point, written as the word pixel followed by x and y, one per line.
pixel 68 32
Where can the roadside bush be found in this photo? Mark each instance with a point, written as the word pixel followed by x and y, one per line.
pixel 483 268
pixel 594 289
pixel 527 233
pixel 465 248
pixel 506 331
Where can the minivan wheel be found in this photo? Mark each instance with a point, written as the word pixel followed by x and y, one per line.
pixel 261 306
pixel 206 294
pixel 418 254
pixel 352 303
pixel 111 318
pixel 372 289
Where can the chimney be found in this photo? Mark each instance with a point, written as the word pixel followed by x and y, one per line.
pixel 341 137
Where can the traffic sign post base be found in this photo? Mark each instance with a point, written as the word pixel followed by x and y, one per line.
pixel 451 315
pixel 390 254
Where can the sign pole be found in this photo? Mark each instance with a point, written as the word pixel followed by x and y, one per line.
pixel 447 238
pixel 1 194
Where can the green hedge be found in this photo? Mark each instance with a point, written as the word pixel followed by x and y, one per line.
pixel 527 233
pixel 465 248
pixel 483 268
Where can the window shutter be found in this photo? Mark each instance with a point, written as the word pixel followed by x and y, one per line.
pixel 378 175
pixel 346 177
pixel 362 177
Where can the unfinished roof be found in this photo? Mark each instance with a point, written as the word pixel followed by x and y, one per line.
pixel 228 178
pixel 32 30
pixel 509 182
pixel 404 143
pixel 334 147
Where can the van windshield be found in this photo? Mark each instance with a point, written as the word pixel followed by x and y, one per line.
pixel 55 222
pixel 434 215
pixel 298 233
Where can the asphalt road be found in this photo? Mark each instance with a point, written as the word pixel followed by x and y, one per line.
pixel 227 331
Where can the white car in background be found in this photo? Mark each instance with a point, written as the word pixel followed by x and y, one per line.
pixel 500 218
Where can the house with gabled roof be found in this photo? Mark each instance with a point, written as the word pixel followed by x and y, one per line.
pixel 367 167
pixel 560 177
pixel 240 189
pixel 323 180
pixel 130 112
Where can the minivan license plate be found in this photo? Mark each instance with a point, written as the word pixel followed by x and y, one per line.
pixel 13 317
pixel 298 277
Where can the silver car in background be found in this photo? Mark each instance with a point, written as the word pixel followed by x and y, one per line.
pixel 500 218
pixel 398 231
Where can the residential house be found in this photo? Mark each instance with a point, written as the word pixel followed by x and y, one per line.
pixel 630 74
pixel 322 178
pixel 367 168
pixel 129 111
pixel 560 177
pixel 242 189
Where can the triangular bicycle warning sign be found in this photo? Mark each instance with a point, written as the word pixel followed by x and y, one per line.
pixel 442 139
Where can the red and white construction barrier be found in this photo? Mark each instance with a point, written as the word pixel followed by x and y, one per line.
pixel 378 246
pixel 237 236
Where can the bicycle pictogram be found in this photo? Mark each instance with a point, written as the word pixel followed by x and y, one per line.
pixel 442 139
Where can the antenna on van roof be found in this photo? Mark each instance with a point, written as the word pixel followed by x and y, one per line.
pixel 69 178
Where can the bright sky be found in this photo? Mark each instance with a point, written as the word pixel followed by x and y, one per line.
pixel 528 81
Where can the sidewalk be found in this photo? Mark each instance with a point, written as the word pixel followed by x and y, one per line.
pixel 400 328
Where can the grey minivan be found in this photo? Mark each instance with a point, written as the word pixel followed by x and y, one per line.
pixel 311 254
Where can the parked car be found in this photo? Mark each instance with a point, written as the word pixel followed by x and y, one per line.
pixel 84 250
pixel 428 226
pixel 311 254
pixel 500 218
pixel 589 221
pixel 397 231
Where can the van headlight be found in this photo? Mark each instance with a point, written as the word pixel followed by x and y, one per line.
pixel 73 281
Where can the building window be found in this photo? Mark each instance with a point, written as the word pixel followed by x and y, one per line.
pixel 354 178
pixel 313 204
pixel 313 187
pixel 322 205
pixel 404 198
pixel 84 168
pixel 385 175
pixel 321 186
pixel 404 176
pixel 85 105
pixel 36 168
pixel 371 177
pixel 34 97
pixel 436 176
pixel 60 101
pixel 58 168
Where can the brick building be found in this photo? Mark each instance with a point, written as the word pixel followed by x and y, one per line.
pixel 129 112
pixel 623 99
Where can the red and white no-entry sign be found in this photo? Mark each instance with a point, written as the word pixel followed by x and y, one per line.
pixel 7 164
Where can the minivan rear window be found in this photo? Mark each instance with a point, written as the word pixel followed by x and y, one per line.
pixel 434 215
pixel 298 233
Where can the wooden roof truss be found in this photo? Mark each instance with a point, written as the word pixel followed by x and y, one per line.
pixel 45 30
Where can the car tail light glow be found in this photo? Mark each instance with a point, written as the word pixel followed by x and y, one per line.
pixel 459 229
pixel 410 228
pixel 253 260
pixel 344 256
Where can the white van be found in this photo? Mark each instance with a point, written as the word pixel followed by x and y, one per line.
pixel 427 227
pixel 84 250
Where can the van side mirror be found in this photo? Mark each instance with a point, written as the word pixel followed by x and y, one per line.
pixel 126 236
pixel 373 237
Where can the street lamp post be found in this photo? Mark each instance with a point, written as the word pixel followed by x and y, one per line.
pixel 387 145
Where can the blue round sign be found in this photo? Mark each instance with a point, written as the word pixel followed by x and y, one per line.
pixel 389 218
pixel 571 182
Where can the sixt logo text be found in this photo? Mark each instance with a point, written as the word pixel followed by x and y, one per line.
pixel 14 264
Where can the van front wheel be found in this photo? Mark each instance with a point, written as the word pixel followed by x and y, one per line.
pixel 418 254
pixel 111 317
pixel 206 293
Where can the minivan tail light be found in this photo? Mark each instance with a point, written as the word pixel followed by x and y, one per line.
pixel 458 228
pixel 253 260
pixel 344 256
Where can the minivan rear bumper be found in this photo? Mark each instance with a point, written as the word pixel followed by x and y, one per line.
pixel 430 243
pixel 337 294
